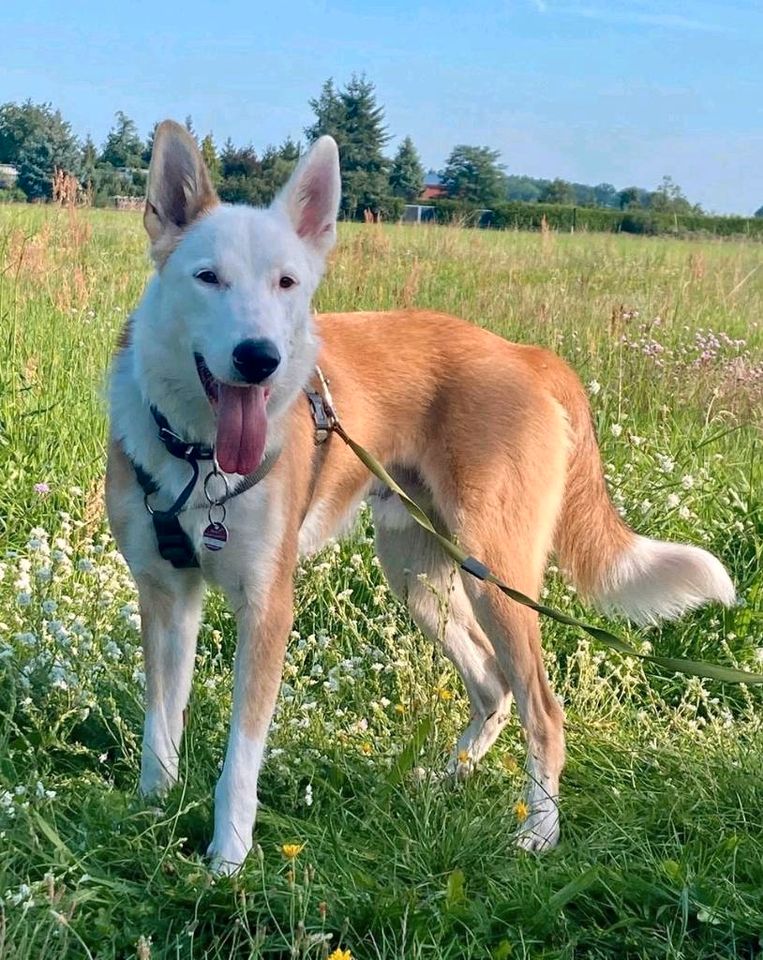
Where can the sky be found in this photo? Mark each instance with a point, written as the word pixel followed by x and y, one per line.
pixel 622 91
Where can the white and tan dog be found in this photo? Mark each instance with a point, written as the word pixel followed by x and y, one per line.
pixel 495 438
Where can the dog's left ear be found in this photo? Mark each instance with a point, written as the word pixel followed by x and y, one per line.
pixel 311 196
pixel 179 188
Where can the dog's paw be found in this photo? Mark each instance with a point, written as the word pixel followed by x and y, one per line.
pixel 460 766
pixel 227 857
pixel 155 788
pixel 540 831
pixel 157 777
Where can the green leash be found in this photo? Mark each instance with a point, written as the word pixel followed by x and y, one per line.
pixel 696 668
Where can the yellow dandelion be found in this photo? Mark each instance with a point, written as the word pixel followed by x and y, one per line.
pixel 292 850
pixel 509 764
pixel 399 708
pixel 366 749
pixel 463 756
pixel 443 693
pixel 340 955
pixel 521 810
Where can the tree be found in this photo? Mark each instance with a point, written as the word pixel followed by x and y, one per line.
pixel 633 197
pixel 123 147
pixel 329 114
pixel 526 189
pixel 759 212
pixel 558 191
pixel 148 149
pixel 212 161
pixel 669 198
pixel 277 166
pixel 89 164
pixel 355 120
pixel 406 177
pixel 37 140
pixel 474 174
pixel 241 174
pixel 605 195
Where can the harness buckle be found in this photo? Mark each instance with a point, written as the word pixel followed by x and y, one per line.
pixel 323 417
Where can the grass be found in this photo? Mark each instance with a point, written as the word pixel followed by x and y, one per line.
pixel 662 849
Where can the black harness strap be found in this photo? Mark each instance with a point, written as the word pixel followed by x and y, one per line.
pixel 172 541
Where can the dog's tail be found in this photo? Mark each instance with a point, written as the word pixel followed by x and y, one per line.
pixel 646 580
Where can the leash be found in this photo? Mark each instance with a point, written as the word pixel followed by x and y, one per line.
pixel 327 422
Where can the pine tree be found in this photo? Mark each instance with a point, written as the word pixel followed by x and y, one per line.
pixel 89 164
pixel 123 146
pixel 148 149
pixel 329 115
pixel 209 152
pixel 406 177
pixel 356 121
pixel 36 139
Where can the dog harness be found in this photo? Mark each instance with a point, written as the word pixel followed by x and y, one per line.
pixel 173 542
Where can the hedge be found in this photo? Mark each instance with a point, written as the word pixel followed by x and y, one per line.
pixel 518 215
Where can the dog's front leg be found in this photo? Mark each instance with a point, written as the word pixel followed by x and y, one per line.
pixel 263 630
pixel 170 610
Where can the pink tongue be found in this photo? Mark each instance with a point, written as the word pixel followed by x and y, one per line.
pixel 242 425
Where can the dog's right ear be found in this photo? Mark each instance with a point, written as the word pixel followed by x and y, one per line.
pixel 179 188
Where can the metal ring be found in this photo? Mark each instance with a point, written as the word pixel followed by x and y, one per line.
pixel 216 501
pixel 220 506
pixel 147 505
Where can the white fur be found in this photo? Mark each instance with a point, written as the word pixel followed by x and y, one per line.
pixel 540 830
pixel 654 580
pixel 236 802
pixel 174 646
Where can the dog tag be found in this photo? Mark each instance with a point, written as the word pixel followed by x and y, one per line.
pixel 215 536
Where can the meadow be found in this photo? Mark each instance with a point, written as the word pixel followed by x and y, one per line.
pixel 363 849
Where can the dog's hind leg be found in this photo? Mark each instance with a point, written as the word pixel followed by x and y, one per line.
pixel 515 633
pixel 421 574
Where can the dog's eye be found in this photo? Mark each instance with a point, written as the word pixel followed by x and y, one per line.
pixel 207 276
pixel 286 282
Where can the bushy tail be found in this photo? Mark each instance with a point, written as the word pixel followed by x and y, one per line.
pixel 646 580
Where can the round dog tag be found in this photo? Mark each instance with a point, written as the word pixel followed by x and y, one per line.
pixel 215 536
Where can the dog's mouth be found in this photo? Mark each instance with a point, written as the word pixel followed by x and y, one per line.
pixel 242 420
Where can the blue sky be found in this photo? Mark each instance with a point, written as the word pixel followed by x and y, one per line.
pixel 591 91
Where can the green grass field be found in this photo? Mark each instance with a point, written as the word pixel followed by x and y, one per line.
pixel 662 805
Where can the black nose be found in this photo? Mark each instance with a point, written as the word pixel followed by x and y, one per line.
pixel 255 360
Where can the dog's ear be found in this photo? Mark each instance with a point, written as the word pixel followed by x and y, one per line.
pixel 311 196
pixel 179 188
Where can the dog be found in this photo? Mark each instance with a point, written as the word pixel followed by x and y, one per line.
pixel 495 439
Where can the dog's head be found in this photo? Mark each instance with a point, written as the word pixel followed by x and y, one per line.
pixel 234 287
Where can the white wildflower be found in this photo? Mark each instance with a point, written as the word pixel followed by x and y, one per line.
pixel 666 464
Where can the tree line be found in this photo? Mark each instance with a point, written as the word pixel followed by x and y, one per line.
pixel 38 142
